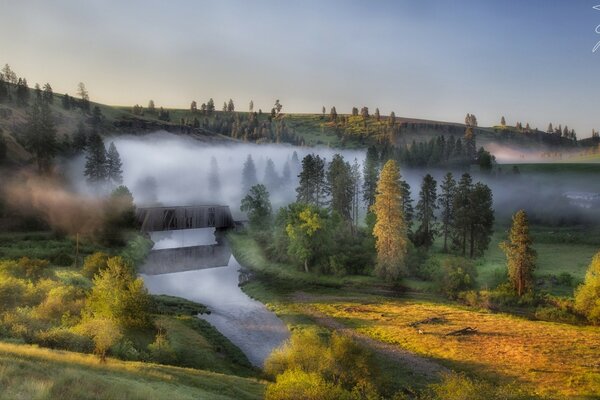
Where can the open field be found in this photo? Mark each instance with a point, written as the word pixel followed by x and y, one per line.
pixel 28 372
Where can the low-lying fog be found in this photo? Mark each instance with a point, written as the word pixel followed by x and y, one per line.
pixel 178 170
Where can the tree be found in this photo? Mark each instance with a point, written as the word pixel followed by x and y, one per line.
pixel 311 186
pixel 392 119
pixel 550 129
pixel 249 178
pixel 323 111
pixel 194 107
pixel 426 212
pixel 356 200
pixel 114 166
pixel 214 182
pixel 481 219
pixel 48 94
pixel 230 106
pixel 104 333
pixel 117 295
pixel 271 178
pixel 370 176
pixel 9 75
pixel 210 106
pixel 390 229
pixel 340 187
pixel 3 148
pixel 22 92
pixel 151 107
pixel 470 144
pixel 502 121
pixel 446 205
pixel 258 207
pixel 333 114
pixel 377 115
pixel 303 228
pixel 84 96
pixel 278 106
pixel 520 254
pixel 40 135
pixel 80 137
pixel 251 106
pixel 95 160
pixel 407 206
pixel 587 295
pixel 462 212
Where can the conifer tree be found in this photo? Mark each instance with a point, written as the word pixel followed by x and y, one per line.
pixel 311 186
pixel 426 212
pixel 271 179
pixel 502 121
pixel 251 106
pixel 339 187
pixel 80 137
pixel 151 107
pixel 446 205
pixel 214 182
pixel 470 144
pixel 481 219
pixel 48 94
pixel 520 254
pixel 230 106
pixel 114 166
pixel 407 206
pixel 95 161
pixel 390 229
pixel 462 212
pixel 249 177
pixel 40 135
pixel 587 295
pixel 370 176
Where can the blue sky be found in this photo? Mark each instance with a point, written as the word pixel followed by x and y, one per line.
pixel 531 61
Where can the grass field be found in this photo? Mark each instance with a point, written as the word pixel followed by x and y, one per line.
pixel 28 372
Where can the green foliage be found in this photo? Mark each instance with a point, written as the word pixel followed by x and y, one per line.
pixel 104 332
pixel 171 305
pixel 300 385
pixel 258 207
pixel 94 263
pixel 520 254
pixel 118 296
pixel 161 350
pixel 587 296
pixel 456 274
pixel 457 386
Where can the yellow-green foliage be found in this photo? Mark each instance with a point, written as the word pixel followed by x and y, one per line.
pixel 460 387
pixel 119 296
pixel 551 358
pixel 94 263
pixel 587 296
pixel 29 372
pixel 309 366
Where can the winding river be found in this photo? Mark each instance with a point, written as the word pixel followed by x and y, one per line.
pixel 192 265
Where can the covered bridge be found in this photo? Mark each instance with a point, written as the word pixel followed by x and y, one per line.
pixel 154 219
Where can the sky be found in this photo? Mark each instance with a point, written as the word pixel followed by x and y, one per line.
pixel 530 61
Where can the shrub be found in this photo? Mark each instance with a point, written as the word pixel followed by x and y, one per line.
pixel 587 295
pixel 296 384
pixel 64 339
pixel 161 350
pixel 455 386
pixel 29 268
pixel 12 291
pixel 555 314
pixel 62 259
pixel 94 263
pixel 60 300
pixel 455 275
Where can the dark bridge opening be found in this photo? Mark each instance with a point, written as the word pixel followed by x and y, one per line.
pixel 155 219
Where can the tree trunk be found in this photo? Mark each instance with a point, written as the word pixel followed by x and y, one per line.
pixel 306 265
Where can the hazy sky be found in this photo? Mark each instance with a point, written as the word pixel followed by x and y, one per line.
pixel 531 61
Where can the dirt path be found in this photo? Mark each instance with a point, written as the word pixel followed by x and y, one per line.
pixel 418 364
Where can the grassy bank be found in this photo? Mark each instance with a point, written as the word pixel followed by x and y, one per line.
pixel 28 372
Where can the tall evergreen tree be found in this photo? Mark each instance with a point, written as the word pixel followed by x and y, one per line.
pixel 340 187
pixel 356 200
pixel 407 205
pixel 48 93
pixel 251 106
pixel 370 176
pixel 390 229
pixel 520 254
pixel 40 135
pixel 271 179
pixel 311 186
pixel 249 178
pixel 481 219
pixel 95 162
pixel 286 174
pixel 446 205
pixel 426 212
pixel 114 166
pixel 80 137
pixel 470 144
pixel 462 213
pixel 214 182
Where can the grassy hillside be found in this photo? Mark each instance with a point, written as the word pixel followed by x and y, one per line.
pixel 28 372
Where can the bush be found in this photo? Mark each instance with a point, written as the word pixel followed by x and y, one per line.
pixel 587 295
pixel 455 275
pixel 457 386
pixel 64 339
pixel 161 350
pixel 296 384
pixel 94 263
pixel 62 259
pixel 12 291
pixel 555 314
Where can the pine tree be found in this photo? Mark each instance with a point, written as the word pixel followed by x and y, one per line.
pixel 470 144
pixel 194 107
pixel 95 162
pixel 40 135
pixel 407 205
pixel 340 187
pixel 271 179
pixel 311 186
pixel 333 116
pixel 390 229
pixel 520 254
pixel 426 212
pixel 230 106
pixel 151 107
pixel 462 213
pixel 249 178
pixel 356 200
pixel 214 182
pixel 114 166
pixel 377 115
pixel 481 219
pixel 251 106
pixel 503 121
pixel 370 176
pixel 286 174
pixel 446 205
pixel 80 137
pixel 48 94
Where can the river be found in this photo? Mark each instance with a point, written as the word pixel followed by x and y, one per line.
pixel 192 265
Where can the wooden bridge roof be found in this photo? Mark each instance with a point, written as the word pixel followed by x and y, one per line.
pixel 168 218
